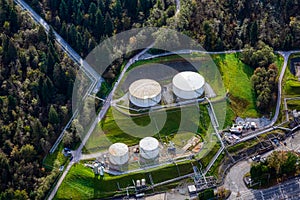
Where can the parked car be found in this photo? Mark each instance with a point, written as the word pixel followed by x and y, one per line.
pixel 253 125
pixel 237 129
pixel 256 158
pixel 276 142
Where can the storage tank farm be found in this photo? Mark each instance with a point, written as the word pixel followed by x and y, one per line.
pixel 145 93
pixel 118 156
pixel 188 85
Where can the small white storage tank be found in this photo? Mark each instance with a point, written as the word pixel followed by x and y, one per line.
pixel 143 182
pixel 138 183
pixel 188 85
pixel 149 148
pixel 118 153
pixel 96 168
pixel 145 93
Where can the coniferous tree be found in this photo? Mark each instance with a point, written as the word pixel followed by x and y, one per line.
pixel 108 25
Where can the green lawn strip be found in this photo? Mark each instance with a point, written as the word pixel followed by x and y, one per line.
pixel 56 158
pixel 291 85
pixel 293 104
pixel 242 145
pixel 236 76
pixel 169 58
pixel 279 62
pixel 214 170
pixel 206 156
pixel 81 183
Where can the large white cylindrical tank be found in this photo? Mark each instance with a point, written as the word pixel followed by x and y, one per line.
pixel 149 148
pixel 188 85
pixel 118 153
pixel 145 93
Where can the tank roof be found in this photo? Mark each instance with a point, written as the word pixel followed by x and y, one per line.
pixel 188 81
pixel 118 149
pixel 145 89
pixel 149 143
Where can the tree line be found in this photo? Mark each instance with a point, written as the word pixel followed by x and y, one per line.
pixel 278 165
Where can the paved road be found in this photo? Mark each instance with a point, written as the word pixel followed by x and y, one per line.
pixel 234 178
pixel 187 51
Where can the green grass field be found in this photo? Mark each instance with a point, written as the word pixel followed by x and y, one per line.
pixel 56 159
pixel 291 85
pixel 236 76
pixel 115 126
pixel 81 183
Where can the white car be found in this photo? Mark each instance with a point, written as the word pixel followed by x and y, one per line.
pixel 236 129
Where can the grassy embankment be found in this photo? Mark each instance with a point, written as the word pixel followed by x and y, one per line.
pixel 81 183
pixel 291 86
pixel 236 77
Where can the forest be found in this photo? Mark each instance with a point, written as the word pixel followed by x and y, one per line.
pixel 36 77
pixel 232 24
pixel 36 81
pixel 85 23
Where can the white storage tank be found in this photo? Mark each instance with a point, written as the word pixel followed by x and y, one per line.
pixel 143 182
pixel 96 168
pixel 118 153
pixel 188 85
pixel 149 147
pixel 145 93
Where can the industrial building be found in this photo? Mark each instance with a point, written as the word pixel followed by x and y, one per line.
pixel 188 85
pixel 145 93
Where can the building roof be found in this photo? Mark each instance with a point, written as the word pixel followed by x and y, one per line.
pixel 145 89
pixel 188 81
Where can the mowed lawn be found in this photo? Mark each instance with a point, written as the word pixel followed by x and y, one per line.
pixel 236 76
pixel 291 87
pixel 81 183
pixel 291 84
pixel 117 127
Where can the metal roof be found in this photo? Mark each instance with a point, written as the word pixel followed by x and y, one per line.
pixel 188 81
pixel 145 89
pixel 118 149
pixel 149 143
